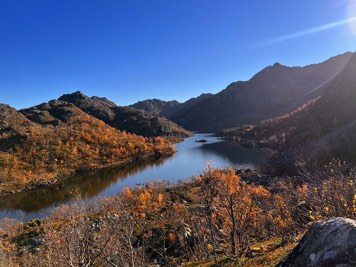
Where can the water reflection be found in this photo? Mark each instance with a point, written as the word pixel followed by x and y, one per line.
pixel 234 153
pixel 85 185
pixel 190 159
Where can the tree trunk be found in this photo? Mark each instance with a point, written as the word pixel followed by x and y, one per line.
pixel 233 228
pixel 209 209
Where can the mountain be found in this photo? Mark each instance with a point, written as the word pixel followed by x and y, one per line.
pixel 156 106
pixel 13 126
pixel 274 91
pixel 52 113
pixel 125 118
pixel 42 144
pixel 169 108
pixel 322 129
pixel 183 107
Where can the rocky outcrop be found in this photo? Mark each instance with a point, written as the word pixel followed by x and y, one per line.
pixel 156 106
pixel 53 112
pixel 327 243
pixel 14 127
pixel 99 107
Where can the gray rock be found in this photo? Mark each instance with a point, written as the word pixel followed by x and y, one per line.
pixel 327 243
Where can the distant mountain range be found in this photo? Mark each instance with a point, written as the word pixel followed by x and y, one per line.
pixel 304 113
pixel 320 130
pixel 301 112
pixel 274 91
pixel 168 108
pixel 156 106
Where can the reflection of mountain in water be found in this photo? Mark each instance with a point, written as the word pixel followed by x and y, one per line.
pixel 190 159
pixel 84 185
pixel 236 154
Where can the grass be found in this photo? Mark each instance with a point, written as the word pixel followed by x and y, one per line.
pixel 266 253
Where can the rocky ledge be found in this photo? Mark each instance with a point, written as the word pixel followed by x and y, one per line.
pixel 327 243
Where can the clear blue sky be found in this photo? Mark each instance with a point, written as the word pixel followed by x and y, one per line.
pixel 130 50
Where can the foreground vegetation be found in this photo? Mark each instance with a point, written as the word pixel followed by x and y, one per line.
pixel 215 219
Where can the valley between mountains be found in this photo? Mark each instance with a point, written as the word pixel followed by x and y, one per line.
pixel 299 112
pixel 306 114
pixel 225 216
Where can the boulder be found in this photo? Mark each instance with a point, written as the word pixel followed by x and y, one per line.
pixel 327 243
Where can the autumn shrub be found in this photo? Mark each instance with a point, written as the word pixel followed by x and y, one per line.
pixel 236 207
pixel 217 214
pixel 332 192
pixel 8 230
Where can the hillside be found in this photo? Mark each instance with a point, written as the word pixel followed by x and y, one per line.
pixel 216 219
pixel 125 118
pixel 323 129
pixel 274 91
pixel 182 107
pixel 45 143
pixel 169 108
pixel 156 106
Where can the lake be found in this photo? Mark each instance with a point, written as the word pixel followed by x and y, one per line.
pixel 190 159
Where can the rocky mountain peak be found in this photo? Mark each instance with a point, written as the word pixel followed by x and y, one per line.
pixel 76 97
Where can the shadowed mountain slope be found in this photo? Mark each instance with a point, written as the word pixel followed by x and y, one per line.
pixel 323 129
pixel 272 92
pixel 156 106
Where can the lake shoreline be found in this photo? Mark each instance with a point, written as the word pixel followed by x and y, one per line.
pixel 71 175
pixel 189 159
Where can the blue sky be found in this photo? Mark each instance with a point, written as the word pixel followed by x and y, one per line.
pixel 130 50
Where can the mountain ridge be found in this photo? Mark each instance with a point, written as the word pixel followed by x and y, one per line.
pixel 125 118
pixel 273 91
pixel 323 130
pixel 155 106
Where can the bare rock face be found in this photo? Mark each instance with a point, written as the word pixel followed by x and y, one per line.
pixel 156 106
pixel 327 243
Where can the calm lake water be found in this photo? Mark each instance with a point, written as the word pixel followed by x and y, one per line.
pixel 191 158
